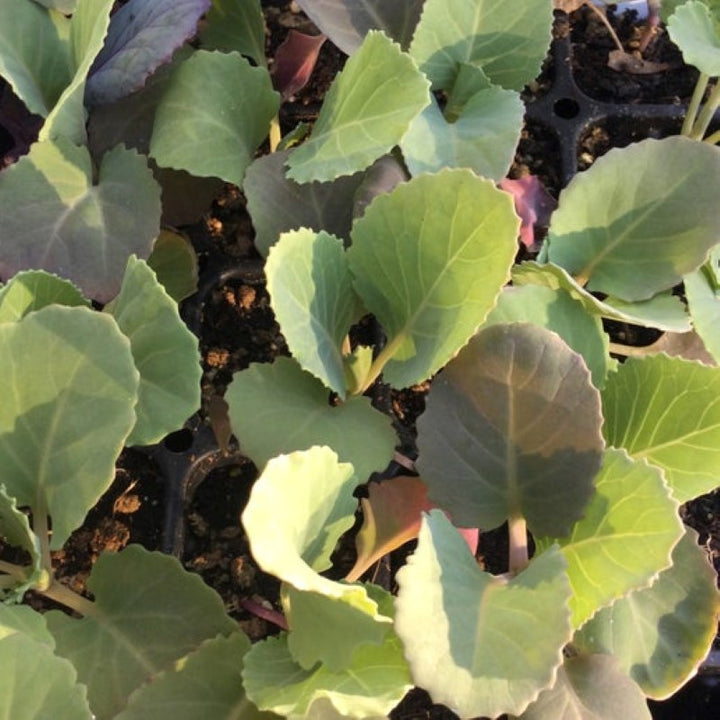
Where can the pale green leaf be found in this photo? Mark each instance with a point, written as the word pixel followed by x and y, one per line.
pixel 149 613
pixel 507 40
pixel 279 408
pixel 213 116
pixel 277 204
pixel 165 352
pixel 65 223
pixel 26 621
pixel 590 687
pixel 64 423
pixel 34 289
pixel 512 428
pixel 664 311
pixel 625 538
pixel 175 264
pixel 558 311
pixel 621 233
pixel 36 684
pixel 429 260
pixel 370 688
pixel 661 634
pixel 34 53
pixel 704 305
pixel 64 6
pixel 480 644
pixel 483 138
pixel 367 110
pixel 207 683
pixel 313 300
pixel 667 410
pixel 235 25
pixel 694 30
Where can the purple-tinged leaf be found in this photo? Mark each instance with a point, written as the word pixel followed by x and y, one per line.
pixel 142 35
pixel 533 204
pixel 346 22
pixel 294 62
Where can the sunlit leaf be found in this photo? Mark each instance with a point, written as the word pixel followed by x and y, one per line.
pixel 694 30
pixel 703 299
pixel 34 289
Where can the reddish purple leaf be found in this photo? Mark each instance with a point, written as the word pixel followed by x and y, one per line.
pixel 532 203
pixel 294 62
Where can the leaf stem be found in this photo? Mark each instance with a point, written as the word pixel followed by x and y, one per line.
pixel 15 571
pixel 69 598
pixel 631 350
pixel 694 106
pixel 713 139
pixel 518 555
pixel 379 363
pixel 42 530
pixel 706 114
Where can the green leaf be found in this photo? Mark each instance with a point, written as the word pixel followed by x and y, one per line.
pixel 661 634
pixel 512 428
pixel 667 410
pixel 277 204
pixel 313 300
pixel 26 621
pixel 206 683
pixel 149 612
pixel 15 531
pixel 66 224
pixel 61 429
pixel 235 25
pixel 448 242
pixel 616 548
pixel 213 116
pixel 35 58
pixel 558 311
pixel 622 233
pixel 370 688
pixel 88 27
pixel 474 641
pixel 663 311
pixel 35 683
pixel 279 408
pixel 367 110
pixel 508 41
pixel 165 353
pixel 35 289
pixel 590 687
pixel 175 264
pixel 703 299
pixel 483 138
pixel 694 30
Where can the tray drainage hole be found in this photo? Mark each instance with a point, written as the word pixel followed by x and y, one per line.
pixel 179 441
pixel 566 108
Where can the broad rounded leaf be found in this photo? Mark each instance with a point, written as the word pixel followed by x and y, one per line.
pixel 694 30
pixel 480 644
pixel 370 688
pixel 558 311
pixel 661 634
pixel 149 613
pixel 507 40
pixel 206 683
pixel 590 687
pixel 512 428
pixel 63 222
pixel 23 619
pixel 165 353
pixel 143 34
pixel 277 204
pixel 175 264
pixel 667 410
pixel 621 233
pixel 214 115
pixel 279 408
pixel 313 300
pixel 663 311
pixel 35 683
pixel 31 290
pixel 483 138
pixel 232 25
pixel 61 429
pixel 429 260
pixel 703 299
pixel 367 110
pixel 615 549
pixel 346 22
